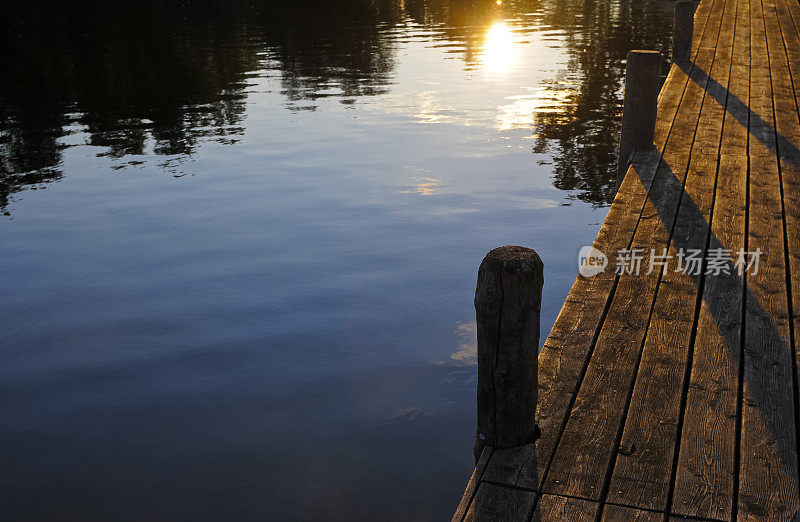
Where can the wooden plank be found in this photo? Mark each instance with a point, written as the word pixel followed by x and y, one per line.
pixel 789 19
pixel 493 502
pixel 793 10
pixel 707 140
pixel 472 485
pixel 790 171
pixel 641 475
pixel 681 518
pixel 672 92
pixel 560 369
pixel 563 356
pixel 789 147
pixel 612 513
pixel 562 359
pixel 762 123
pixel 514 466
pixel 585 450
pixel 554 508
pixel 704 479
pixel 788 14
pixel 788 136
pixel 786 123
pixel 768 468
pixel 735 132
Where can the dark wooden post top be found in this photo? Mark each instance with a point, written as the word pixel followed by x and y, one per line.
pixel 507 306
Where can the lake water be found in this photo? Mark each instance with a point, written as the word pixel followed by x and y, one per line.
pixel 239 244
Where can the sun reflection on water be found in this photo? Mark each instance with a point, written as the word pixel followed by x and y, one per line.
pixel 498 51
pixel 523 109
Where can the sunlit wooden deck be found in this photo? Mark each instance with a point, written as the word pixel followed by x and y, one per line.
pixel 667 395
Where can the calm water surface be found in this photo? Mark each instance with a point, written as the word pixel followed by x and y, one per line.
pixel 239 244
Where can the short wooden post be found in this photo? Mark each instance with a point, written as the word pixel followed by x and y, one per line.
pixel 508 300
pixel 642 83
pixel 682 32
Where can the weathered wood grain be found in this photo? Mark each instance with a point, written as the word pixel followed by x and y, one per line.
pixel 788 15
pixel 564 355
pixel 613 513
pixel 472 485
pixel 641 475
pixel 500 503
pixel 704 482
pixel 735 131
pixel 508 302
pixel 585 450
pixel 552 507
pixel 768 466
pixel 789 18
pixel 514 467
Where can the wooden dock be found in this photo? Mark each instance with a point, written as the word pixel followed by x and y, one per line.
pixel 669 395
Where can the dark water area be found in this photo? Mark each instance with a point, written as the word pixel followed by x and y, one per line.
pixel 239 242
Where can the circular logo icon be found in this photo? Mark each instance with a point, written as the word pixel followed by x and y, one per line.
pixel 591 261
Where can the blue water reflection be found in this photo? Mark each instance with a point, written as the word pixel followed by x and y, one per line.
pixel 240 247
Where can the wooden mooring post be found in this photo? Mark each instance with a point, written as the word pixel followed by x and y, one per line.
pixel 642 83
pixel 508 301
pixel 683 30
